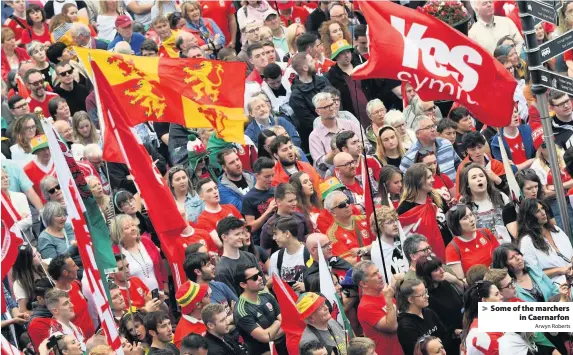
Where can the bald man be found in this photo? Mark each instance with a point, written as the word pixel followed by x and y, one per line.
pixel 345 170
pixel 338 265
pixel 123 47
pixel 184 42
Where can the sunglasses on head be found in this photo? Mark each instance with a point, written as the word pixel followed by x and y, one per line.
pixel 255 277
pixel 53 189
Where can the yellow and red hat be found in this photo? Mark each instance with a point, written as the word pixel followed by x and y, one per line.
pixel 39 142
pixel 308 303
pixel 338 47
pixel 329 185
pixel 189 295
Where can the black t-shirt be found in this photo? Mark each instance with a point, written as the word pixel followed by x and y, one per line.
pixel 241 184
pixel 170 347
pixel 161 129
pixel 226 269
pixel 76 98
pixel 447 236
pixel 255 203
pixel 281 91
pixel 394 161
pixel 249 316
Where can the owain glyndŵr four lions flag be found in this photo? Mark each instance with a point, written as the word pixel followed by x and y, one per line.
pixel 196 93
pixel 438 61
pixel 154 191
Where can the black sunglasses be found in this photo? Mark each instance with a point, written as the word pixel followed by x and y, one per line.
pixel 66 72
pixel 255 277
pixel 53 189
pixel 343 204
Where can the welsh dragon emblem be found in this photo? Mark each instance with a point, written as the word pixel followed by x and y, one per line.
pixel 216 118
pixel 201 85
pixel 142 93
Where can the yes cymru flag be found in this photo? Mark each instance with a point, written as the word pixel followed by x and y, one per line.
pixel 192 92
pixel 438 61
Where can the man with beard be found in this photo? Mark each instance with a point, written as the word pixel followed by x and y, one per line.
pixel 303 90
pixel 284 153
pixel 39 97
pixel 192 297
pixel 213 212
pixel 199 269
pixel 345 171
pixel 218 339
pixel 158 325
pixel 314 311
pixel 234 183
pixel 252 36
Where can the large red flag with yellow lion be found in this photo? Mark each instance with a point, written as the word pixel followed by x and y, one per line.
pixel 193 92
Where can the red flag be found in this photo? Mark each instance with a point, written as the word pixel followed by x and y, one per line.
pixel 76 209
pixel 438 61
pixel 422 220
pixel 291 323
pixel 11 236
pixel 7 347
pixel 154 191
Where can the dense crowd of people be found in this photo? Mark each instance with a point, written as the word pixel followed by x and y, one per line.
pixel 446 230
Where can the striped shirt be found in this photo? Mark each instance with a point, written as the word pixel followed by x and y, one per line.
pixel 447 158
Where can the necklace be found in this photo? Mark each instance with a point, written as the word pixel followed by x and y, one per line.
pixel 144 266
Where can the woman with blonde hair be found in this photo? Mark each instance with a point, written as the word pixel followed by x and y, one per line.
pixel 332 31
pixel 37 51
pixel 142 255
pixel 293 32
pixel 389 149
pixel 396 119
pixel 104 201
pixel 109 10
pixel 84 130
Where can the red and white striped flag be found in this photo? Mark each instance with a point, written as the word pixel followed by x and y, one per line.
pixel 11 236
pixel 75 208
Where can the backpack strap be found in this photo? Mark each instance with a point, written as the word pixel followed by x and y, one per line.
pixel 306 256
pixel 280 260
pixel 453 242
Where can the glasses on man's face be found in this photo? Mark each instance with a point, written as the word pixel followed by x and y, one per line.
pixel 347 164
pixel 66 72
pixel 327 107
pixel 509 285
pixel 425 250
pixel 37 83
pixel 391 222
pixel 431 128
pixel 54 189
pixel 563 104
pixel 255 277
pixel 342 205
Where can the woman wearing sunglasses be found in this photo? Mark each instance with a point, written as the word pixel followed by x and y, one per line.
pixel 471 246
pixel 51 191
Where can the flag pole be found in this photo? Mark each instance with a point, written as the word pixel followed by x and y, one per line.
pixel 534 59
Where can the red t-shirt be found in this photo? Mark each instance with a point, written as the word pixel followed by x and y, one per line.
pixel 186 326
pixel 370 310
pixel 82 318
pixel 516 148
pixel 356 188
pixel 344 239
pixel 477 251
pixel 298 15
pixel 36 173
pixel 33 103
pixel 208 222
pixel 219 11
pixel 43 38
pixel 137 291
pixel 373 165
pixel 15 24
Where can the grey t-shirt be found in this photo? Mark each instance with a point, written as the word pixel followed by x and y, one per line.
pixel 335 337
pixel 144 18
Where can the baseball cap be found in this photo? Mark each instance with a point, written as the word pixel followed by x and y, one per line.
pixel 39 142
pixel 328 186
pixel 123 21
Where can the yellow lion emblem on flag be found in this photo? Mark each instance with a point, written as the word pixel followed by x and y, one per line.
pixel 144 96
pixel 200 82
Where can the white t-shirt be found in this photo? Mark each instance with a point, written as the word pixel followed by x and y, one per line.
pixel 394 257
pixel 489 217
pixel 141 265
pixel 539 258
pixel 292 267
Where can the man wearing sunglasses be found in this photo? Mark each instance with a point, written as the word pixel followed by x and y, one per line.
pixel 257 313
pixel 349 233
pixel 39 97
pixel 74 93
